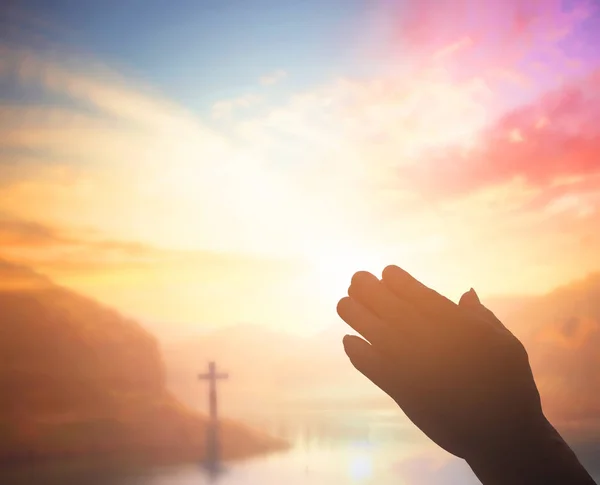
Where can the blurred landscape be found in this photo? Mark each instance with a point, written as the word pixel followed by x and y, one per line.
pixel 79 380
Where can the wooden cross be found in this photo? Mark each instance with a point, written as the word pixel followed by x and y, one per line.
pixel 212 449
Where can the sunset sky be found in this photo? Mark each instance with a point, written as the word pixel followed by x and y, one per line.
pixel 200 164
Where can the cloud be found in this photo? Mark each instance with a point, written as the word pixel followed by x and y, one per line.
pixel 464 65
pixel 507 30
pixel 429 163
pixel 339 145
pixel 182 287
pixel 25 233
pixel 469 139
pixel 97 87
pixel 273 77
pixel 32 241
pixel 556 136
pixel 161 164
pixel 225 108
pixel 453 48
pixel 35 241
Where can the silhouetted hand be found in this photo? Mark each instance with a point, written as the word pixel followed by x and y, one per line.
pixel 457 373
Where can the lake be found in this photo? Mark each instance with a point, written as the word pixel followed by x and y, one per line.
pixel 329 448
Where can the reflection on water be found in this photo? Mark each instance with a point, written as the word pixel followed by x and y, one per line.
pixel 332 449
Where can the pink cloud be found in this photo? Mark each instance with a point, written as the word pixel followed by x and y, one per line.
pixel 520 48
pixel 558 135
pixel 499 25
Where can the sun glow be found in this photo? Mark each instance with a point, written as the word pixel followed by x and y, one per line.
pixel 333 267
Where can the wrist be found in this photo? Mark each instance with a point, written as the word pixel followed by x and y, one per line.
pixel 535 453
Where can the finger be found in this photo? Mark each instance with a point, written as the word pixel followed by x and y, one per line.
pixel 471 301
pixel 366 360
pixel 407 288
pixel 372 294
pixel 393 378
pixel 363 287
pixel 365 322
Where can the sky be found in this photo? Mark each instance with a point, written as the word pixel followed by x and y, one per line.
pixel 202 164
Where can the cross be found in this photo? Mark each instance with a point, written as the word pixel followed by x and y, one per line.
pixel 212 449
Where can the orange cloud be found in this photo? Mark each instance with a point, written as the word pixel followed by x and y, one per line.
pixel 172 291
pixel 22 233
pixel 45 246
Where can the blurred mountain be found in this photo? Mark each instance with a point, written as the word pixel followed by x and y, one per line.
pixel 561 331
pixel 77 378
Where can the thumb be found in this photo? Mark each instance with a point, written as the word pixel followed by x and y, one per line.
pixel 471 301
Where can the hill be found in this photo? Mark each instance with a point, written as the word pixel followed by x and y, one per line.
pixel 561 331
pixel 78 379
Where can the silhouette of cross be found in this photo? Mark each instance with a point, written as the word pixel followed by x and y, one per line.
pixel 212 437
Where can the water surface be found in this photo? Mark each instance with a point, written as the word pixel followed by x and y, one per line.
pixel 328 449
